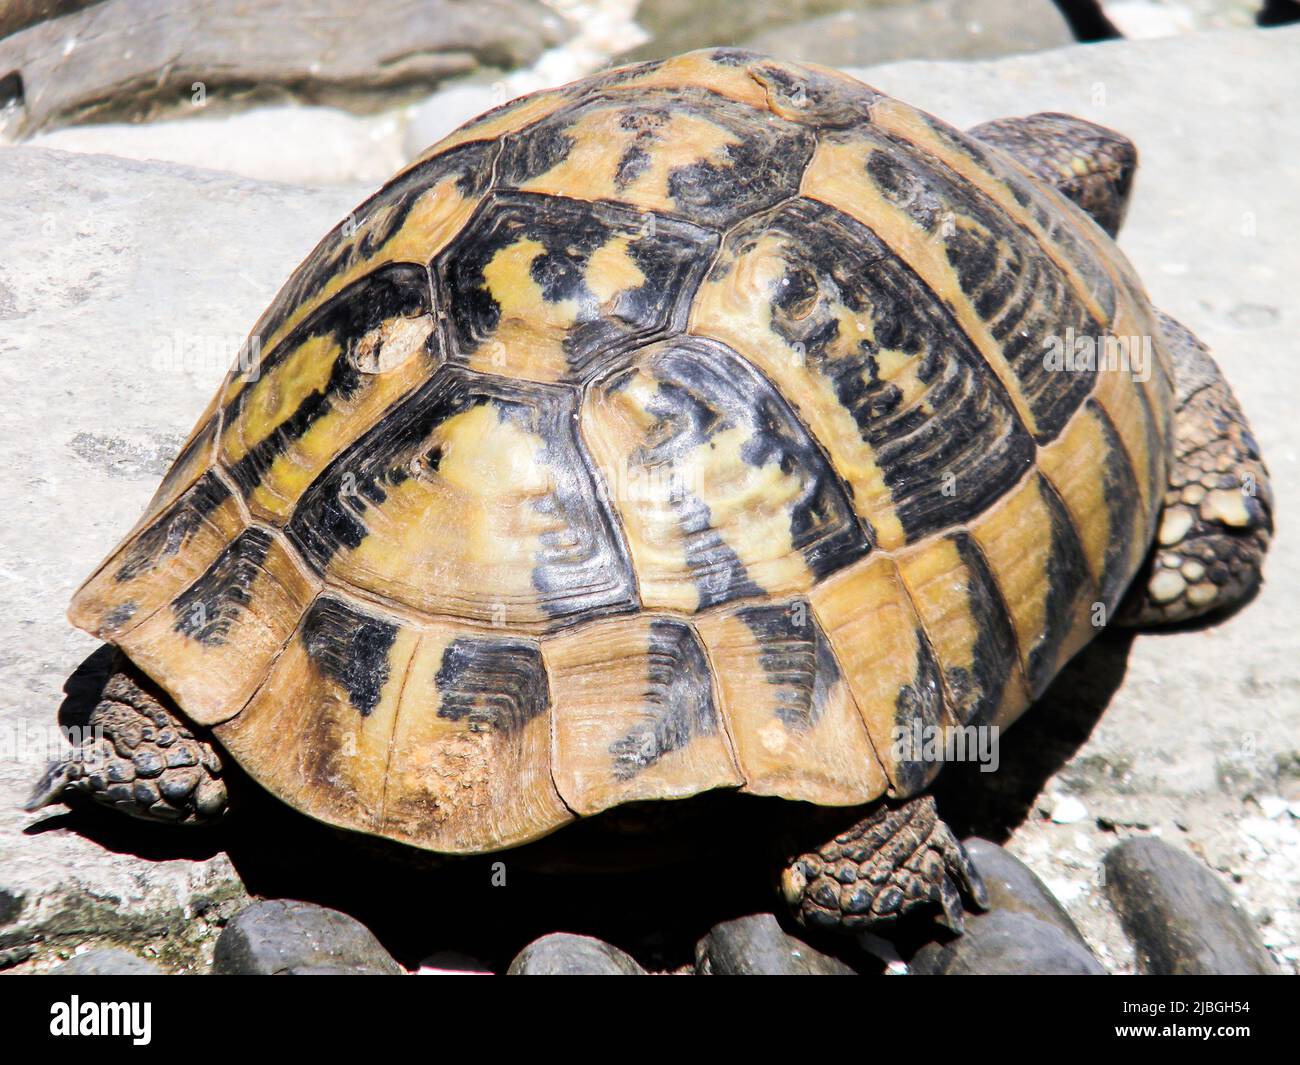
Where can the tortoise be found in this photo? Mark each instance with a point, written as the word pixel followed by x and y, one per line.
pixel 711 424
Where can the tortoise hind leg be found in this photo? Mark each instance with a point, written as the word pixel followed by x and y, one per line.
pixel 898 859
pixel 1217 519
pixel 1088 164
pixel 138 756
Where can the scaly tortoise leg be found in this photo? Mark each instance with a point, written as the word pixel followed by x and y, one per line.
pixel 1217 519
pixel 139 757
pixel 898 859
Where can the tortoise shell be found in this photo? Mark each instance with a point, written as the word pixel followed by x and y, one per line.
pixel 687 427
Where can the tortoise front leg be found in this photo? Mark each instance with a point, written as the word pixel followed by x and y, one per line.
pixel 139 757
pixel 898 859
pixel 1217 519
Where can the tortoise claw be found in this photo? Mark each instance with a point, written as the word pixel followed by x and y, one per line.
pixel 962 869
pixel 950 903
pixel 49 789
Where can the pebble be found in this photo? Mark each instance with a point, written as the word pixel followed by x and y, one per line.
pixel 11 905
pixel 757 946
pixel 108 961
pixel 563 954
pixel 283 936
pixel 1179 915
pixel 1013 886
pixel 1068 810
pixel 1273 806
pixel 1007 943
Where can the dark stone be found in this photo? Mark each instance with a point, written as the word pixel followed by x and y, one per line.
pixel 851 32
pixel 11 905
pixel 106 962
pixel 16 955
pixel 680 25
pixel 282 936
pixel 928 29
pixel 19 14
pixel 139 59
pixel 1179 915
pixel 758 946
pixel 1013 886
pixel 1007 943
pixel 563 954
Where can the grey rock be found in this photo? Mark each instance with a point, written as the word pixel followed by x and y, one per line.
pixel 131 285
pixel 1013 886
pixel 17 955
pixel 107 962
pixel 11 906
pixel 282 936
pixel 680 25
pixel 933 29
pixel 563 954
pixel 19 14
pixel 138 58
pixel 1179 915
pixel 757 946
pixel 326 970
pixel 1006 943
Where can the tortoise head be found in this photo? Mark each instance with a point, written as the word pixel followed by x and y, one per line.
pixel 1089 164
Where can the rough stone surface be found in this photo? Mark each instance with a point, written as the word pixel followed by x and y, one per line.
pixel 1007 943
pixel 19 14
pixel 757 946
pixel 562 954
pixel 289 143
pixel 110 269
pixel 1179 915
pixel 318 144
pixel 1013 887
pixel 286 937
pixel 107 962
pixel 932 29
pixel 140 58
pixel 1199 724
pixel 679 25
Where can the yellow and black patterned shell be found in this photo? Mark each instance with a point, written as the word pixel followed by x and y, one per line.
pixel 684 428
